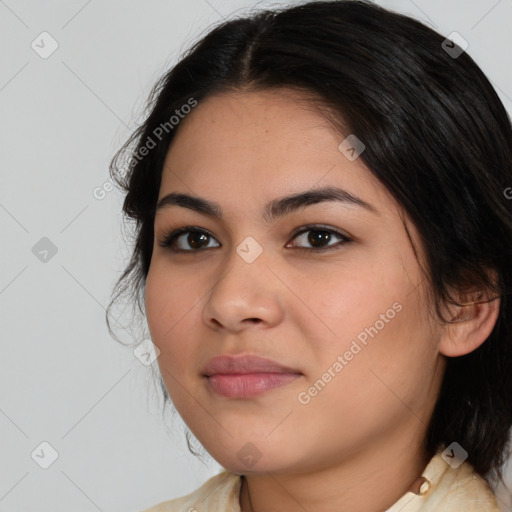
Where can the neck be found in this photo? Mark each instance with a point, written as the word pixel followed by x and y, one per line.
pixel 344 487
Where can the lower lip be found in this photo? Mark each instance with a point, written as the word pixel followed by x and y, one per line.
pixel 248 384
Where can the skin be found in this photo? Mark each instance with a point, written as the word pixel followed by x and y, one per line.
pixel 358 444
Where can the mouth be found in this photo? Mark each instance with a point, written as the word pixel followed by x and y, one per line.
pixel 243 364
pixel 246 385
pixel 246 375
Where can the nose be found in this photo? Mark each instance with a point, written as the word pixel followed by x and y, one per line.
pixel 247 293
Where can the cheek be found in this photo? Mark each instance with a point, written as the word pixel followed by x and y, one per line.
pixel 156 300
pixel 394 368
pixel 169 318
pixel 167 307
pixel 372 317
pixel 346 302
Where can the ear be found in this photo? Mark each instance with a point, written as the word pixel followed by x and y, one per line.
pixel 471 324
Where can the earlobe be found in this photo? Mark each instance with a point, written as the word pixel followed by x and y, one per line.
pixel 470 325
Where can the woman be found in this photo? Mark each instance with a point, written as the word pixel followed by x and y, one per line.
pixel 323 248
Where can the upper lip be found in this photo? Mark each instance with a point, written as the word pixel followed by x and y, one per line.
pixel 245 363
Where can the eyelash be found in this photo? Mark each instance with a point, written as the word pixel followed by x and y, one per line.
pixel 171 236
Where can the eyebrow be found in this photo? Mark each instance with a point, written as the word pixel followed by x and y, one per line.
pixel 274 209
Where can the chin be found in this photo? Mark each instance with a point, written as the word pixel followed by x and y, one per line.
pixel 258 464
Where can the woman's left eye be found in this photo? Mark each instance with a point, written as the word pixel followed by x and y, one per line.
pixel 318 236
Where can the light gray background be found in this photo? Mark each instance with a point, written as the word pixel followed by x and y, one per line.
pixel 63 380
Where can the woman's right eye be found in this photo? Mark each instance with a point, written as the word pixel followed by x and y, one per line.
pixel 194 238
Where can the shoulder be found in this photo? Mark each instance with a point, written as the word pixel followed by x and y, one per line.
pixel 467 490
pixel 220 492
pixel 452 486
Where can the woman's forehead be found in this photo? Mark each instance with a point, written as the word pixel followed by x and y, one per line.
pixel 267 141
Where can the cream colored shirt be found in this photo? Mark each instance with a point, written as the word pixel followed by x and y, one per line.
pixel 446 489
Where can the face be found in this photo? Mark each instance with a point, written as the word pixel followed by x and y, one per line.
pixel 332 290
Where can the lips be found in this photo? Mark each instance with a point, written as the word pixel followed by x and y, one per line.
pixel 245 364
pixel 246 376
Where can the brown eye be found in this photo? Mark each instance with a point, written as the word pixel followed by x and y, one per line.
pixel 195 239
pixel 318 238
